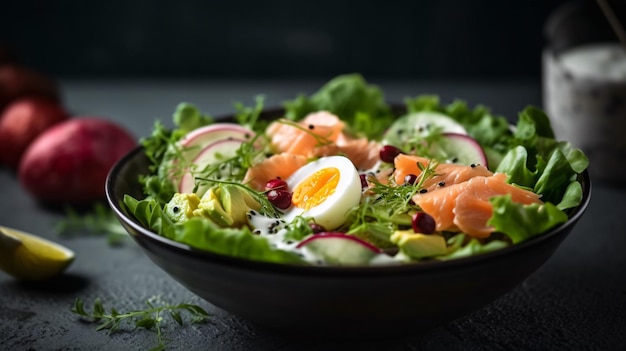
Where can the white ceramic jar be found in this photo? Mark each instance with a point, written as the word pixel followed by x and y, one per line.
pixel 584 88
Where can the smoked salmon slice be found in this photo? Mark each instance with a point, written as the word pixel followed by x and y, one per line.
pixel 445 173
pixel 465 206
pixel 276 166
pixel 363 153
pixel 322 134
pixel 301 138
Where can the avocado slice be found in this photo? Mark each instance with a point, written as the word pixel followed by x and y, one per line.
pixel 211 207
pixel 181 207
pixel 418 245
pixel 234 203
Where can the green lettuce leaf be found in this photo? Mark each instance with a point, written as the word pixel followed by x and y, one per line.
pixel 203 234
pixel 520 222
pixel 514 164
pixel 458 248
pixel 150 214
pixel 361 105
pixel 187 117
pixel 572 197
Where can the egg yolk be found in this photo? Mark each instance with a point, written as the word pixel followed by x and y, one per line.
pixel 316 188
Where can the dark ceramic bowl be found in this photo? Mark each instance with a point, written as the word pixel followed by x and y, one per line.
pixel 342 302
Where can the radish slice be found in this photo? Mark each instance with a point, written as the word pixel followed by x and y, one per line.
pixel 198 139
pixel 338 248
pixel 462 149
pixel 210 155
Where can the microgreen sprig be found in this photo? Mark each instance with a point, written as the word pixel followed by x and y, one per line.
pixel 390 201
pixel 422 143
pixel 151 318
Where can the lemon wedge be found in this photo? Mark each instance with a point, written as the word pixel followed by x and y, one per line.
pixel 29 257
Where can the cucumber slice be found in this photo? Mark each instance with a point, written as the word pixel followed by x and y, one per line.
pixel 461 149
pixel 420 124
pixel 338 248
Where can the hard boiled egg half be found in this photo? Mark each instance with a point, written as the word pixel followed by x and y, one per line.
pixel 324 190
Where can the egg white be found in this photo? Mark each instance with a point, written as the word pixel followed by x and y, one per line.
pixel 331 213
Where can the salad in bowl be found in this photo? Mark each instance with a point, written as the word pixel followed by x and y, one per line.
pixel 342 178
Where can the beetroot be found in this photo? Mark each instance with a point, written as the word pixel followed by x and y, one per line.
pixel 18 81
pixel 22 121
pixel 69 162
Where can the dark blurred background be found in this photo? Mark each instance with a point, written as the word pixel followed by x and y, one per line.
pixel 430 39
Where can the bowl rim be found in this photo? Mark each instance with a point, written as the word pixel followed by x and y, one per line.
pixel 335 271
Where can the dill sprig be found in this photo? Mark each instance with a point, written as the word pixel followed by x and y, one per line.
pixel 152 318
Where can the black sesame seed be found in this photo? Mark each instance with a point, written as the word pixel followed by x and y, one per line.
pixel 175 209
pixel 454 160
pixel 252 213
pixel 423 191
pixel 441 183
pixel 311 127
pixel 473 165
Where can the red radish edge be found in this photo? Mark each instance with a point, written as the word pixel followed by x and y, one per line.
pixel 474 143
pixel 338 235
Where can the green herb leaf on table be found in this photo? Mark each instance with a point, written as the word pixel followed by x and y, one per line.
pixel 98 221
pixel 150 318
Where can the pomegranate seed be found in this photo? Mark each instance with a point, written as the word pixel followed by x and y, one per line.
pixel 364 184
pixel 423 223
pixel 316 228
pixel 410 179
pixel 276 184
pixel 388 153
pixel 279 198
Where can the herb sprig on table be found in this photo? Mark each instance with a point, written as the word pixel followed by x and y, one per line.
pixel 96 221
pixel 152 318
